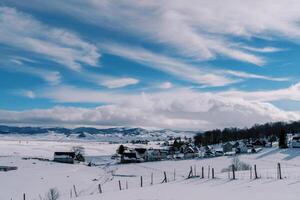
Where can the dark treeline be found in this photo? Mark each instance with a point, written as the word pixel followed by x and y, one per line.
pixel 268 130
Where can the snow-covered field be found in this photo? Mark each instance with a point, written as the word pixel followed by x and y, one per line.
pixel 34 177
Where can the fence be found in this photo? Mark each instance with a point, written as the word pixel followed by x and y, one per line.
pixel 201 172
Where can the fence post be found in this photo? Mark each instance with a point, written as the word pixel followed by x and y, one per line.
pixel 165 178
pixel 75 191
pixel 233 172
pixel 279 171
pixel 190 172
pixel 195 171
pixel 71 194
pixel 99 188
pixel 202 172
pixel 120 187
pixel 250 172
pixel 174 174
pixel 212 173
pixel 255 172
pixel 151 178
pixel 208 174
pixel 141 181
pixel 24 196
pixel 126 185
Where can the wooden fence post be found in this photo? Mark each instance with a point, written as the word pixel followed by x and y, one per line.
pixel 208 174
pixel 190 172
pixel 151 178
pixel 141 181
pixel 120 186
pixel 279 171
pixel 24 196
pixel 255 172
pixel 233 172
pixel 174 174
pixel 202 172
pixel 75 191
pixel 126 185
pixel 99 188
pixel 212 173
pixel 250 172
pixel 165 178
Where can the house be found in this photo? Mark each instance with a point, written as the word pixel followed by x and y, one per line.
pixel 8 168
pixel 129 157
pixel 189 151
pixel 227 147
pixel 295 142
pixel 64 157
pixel 259 143
pixel 241 148
pixel 153 154
pixel 141 154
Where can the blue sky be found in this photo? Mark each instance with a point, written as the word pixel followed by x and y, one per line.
pixel 172 64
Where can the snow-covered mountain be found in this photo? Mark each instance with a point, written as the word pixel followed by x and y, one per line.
pixel 90 133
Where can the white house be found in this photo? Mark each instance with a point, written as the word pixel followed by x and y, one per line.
pixel 295 142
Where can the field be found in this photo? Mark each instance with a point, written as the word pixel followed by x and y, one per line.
pixel 35 177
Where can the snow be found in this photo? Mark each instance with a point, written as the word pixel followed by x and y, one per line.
pixel 35 177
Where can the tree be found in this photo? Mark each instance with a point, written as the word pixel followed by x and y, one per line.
pixel 79 153
pixel 53 194
pixel 282 139
pixel 121 149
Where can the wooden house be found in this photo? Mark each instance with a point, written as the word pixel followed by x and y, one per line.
pixel 64 157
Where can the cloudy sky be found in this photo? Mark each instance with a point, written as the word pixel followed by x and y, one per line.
pixel 192 64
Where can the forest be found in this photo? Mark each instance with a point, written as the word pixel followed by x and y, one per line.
pixel 270 131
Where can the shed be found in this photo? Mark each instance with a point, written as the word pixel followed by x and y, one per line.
pixel 64 157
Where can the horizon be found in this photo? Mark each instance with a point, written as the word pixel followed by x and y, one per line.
pixel 192 65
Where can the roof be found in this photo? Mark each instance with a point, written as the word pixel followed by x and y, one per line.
pixel 72 154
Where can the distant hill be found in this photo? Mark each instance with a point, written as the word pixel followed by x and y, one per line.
pixel 95 133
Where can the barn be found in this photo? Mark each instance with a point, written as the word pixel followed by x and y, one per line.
pixel 64 157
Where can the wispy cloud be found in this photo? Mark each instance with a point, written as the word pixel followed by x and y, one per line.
pixel 197 29
pixel 22 31
pixel 119 82
pixel 17 65
pixel 195 74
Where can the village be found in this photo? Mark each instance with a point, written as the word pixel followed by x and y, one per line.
pixel 178 149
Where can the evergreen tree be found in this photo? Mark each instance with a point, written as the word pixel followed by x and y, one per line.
pixel 282 139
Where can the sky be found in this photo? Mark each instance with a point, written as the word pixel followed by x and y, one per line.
pixel 187 65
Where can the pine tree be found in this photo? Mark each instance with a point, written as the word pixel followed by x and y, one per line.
pixel 282 139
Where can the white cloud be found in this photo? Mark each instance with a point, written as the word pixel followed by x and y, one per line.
pixel 28 93
pixel 175 108
pixel 22 31
pixel 178 68
pixel 166 85
pixel 17 65
pixel 119 82
pixel 196 28
pixel 289 93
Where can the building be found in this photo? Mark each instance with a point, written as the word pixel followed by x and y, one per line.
pixel 64 157
pixel 129 157
pixel 295 142
pixel 227 147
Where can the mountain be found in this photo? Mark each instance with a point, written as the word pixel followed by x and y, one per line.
pixel 90 133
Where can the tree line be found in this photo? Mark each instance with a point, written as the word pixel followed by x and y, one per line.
pixel 270 131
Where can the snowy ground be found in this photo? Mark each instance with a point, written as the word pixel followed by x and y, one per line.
pixel 35 177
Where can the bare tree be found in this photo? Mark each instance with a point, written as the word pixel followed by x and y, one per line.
pixel 53 194
pixel 79 153
pixel 78 150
